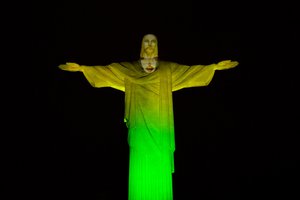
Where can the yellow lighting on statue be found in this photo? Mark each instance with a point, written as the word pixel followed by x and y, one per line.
pixel 148 85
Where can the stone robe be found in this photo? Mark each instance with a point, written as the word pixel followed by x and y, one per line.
pixel 149 118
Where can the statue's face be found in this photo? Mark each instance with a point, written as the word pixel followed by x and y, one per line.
pixel 149 46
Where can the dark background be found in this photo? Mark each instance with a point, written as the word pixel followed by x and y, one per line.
pixel 235 138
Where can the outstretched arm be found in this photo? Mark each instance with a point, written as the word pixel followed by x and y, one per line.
pixel 100 76
pixel 226 64
pixel 72 67
pixel 184 76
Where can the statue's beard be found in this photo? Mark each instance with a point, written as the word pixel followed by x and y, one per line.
pixel 149 48
pixel 149 52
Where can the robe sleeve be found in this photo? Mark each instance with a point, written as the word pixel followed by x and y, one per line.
pixel 184 76
pixel 105 76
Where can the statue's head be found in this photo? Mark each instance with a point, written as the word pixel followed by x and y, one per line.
pixel 149 46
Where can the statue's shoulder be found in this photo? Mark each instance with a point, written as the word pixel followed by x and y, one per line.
pixel 131 66
pixel 125 64
pixel 129 63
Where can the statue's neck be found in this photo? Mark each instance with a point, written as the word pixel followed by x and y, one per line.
pixel 149 61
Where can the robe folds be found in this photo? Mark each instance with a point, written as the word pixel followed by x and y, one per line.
pixel 149 118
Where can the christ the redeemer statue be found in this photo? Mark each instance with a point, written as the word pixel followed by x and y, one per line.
pixel 148 84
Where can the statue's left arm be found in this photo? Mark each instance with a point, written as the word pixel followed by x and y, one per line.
pixel 184 76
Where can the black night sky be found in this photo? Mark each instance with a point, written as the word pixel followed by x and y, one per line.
pixel 235 138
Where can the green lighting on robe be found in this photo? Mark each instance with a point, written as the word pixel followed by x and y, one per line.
pixel 149 116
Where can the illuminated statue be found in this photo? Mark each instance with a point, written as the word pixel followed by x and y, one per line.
pixel 148 85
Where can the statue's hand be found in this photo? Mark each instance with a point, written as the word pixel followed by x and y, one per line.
pixel 226 64
pixel 73 67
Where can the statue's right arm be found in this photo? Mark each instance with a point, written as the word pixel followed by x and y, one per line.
pixel 72 67
pixel 99 76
